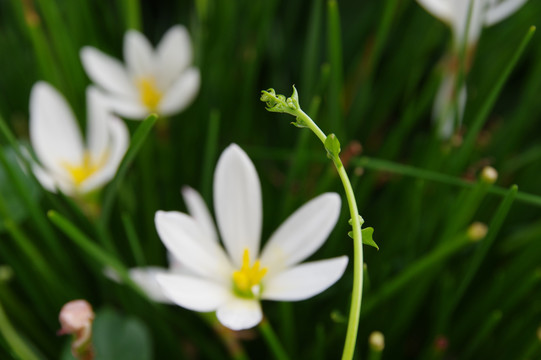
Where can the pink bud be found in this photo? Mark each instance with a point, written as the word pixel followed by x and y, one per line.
pixel 76 318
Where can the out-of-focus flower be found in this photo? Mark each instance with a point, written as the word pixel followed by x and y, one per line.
pixel 232 282
pixel 483 13
pixel 157 80
pixel 456 13
pixel 66 162
pixel 76 318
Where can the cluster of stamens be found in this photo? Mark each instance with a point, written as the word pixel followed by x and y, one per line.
pixel 246 281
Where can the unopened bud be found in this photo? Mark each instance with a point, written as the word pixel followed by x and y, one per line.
pixel 376 341
pixel 76 318
pixel 489 175
pixel 477 231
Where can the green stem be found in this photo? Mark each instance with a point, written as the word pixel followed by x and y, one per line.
pixel 15 342
pixel 357 294
pixel 279 103
pixel 272 340
pixel 93 251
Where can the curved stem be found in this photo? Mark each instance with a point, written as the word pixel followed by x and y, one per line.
pixel 357 293
pixel 279 103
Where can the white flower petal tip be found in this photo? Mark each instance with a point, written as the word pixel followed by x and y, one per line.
pixel 193 293
pixel 199 211
pixel 442 10
pixel 234 285
pixel 107 72
pixel 305 281
pixel 502 10
pixel 483 13
pixel 152 80
pixel 240 314
pixel 145 278
pixel 67 163
pixel 238 203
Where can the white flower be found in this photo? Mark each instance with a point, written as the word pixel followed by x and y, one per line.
pixel 157 80
pixel 67 163
pixel 232 282
pixel 484 13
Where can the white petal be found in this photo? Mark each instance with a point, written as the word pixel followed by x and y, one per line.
pixel 181 93
pixel 503 9
pixel 237 203
pixel 199 211
pixel 107 72
pixel 174 54
pixel 240 314
pixel 460 21
pixel 304 281
pixel 193 293
pixel 145 277
pixel 54 133
pixel 184 238
pixel 442 9
pixel 96 122
pixel 138 54
pixel 118 142
pixel 302 233
pixel 131 108
pixel 45 179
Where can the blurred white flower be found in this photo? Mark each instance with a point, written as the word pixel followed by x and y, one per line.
pixel 157 80
pixel 66 162
pixel 483 13
pixel 232 282
pixel 455 13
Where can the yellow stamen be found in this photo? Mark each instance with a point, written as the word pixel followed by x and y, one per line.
pixel 81 172
pixel 149 94
pixel 247 279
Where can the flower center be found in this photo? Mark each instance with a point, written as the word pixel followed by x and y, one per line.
pixel 149 94
pixel 81 172
pixel 246 281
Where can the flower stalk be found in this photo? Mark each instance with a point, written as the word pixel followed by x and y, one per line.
pixel 279 103
pixel 272 340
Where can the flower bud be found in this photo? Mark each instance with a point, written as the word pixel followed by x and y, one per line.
pixel 376 341
pixel 477 231
pixel 489 175
pixel 76 318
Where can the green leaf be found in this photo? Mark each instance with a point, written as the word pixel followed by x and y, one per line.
pixel 116 336
pixel 15 205
pixel 367 237
pixel 136 143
